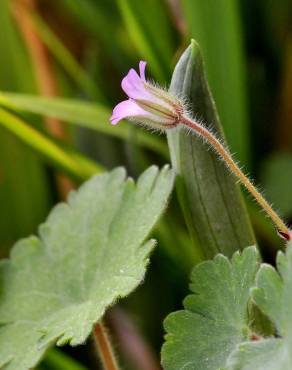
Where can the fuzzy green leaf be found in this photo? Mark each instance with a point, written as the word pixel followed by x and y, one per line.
pixel 89 253
pixel 273 296
pixel 214 320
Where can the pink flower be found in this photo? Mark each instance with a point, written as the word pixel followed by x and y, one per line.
pixel 147 104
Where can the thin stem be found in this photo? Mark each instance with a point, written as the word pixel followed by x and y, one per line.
pixel 224 154
pixel 104 347
pixel 131 342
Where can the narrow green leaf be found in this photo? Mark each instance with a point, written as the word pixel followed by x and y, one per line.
pixel 276 180
pixel 215 319
pixel 58 360
pixel 66 59
pixel 72 162
pixel 211 200
pixel 273 297
pixel 14 56
pixel 155 47
pixel 94 17
pixel 89 253
pixel 23 180
pixel 84 114
pixel 216 26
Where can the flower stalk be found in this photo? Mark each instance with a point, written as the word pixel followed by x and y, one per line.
pixel 200 130
pixel 155 108
pixel 104 347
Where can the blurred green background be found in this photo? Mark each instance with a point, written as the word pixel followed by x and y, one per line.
pixel 80 50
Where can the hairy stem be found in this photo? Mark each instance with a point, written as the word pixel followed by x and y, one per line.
pixel 104 347
pixel 283 230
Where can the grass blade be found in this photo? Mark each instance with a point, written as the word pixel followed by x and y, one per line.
pixel 216 27
pixel 84 114
pixel 72 162
pixel 155 47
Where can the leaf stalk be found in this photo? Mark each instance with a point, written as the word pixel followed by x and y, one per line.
pixel 104 347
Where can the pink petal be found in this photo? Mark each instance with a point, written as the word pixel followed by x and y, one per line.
pixel 134 86
pixel 127 108
pixel 142 66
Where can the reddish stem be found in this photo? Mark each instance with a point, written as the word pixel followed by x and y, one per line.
pixel 104 347
pixel 283 230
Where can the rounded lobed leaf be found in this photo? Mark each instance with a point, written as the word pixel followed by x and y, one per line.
pixel 90 251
